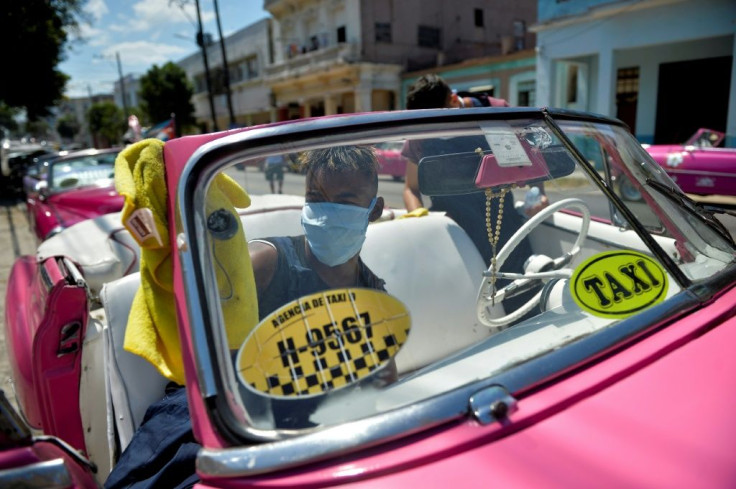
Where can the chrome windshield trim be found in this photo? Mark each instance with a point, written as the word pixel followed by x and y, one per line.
pixel 682 280
pixel 321 445
pixel 364 433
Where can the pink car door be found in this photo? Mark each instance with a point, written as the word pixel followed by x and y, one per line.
pixel 709 171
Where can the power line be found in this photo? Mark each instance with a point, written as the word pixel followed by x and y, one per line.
pixel 181 4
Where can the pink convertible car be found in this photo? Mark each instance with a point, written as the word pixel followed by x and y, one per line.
pixel 699 166
pixel 73 187
pixel 594 348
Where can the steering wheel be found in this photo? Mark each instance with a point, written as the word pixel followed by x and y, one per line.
pixel 546 268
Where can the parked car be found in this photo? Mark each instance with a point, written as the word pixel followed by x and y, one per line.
pixel 390 160
pixel 16 159
pixel 616 371
pixel 698 166
pixel 69 189
pixel 37 171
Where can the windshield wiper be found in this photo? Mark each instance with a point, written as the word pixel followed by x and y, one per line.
pixel 703 213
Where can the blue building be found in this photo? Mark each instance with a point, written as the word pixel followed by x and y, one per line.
pixel 665 67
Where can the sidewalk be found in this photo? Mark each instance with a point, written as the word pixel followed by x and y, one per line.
pixel 16 239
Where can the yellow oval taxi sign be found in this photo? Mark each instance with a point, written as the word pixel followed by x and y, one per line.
pixel 322 342
pixel 617 284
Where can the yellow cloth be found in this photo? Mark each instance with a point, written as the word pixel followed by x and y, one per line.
pixel 152 329
pixel 418 212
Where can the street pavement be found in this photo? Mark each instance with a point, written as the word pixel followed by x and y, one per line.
pixel 16 240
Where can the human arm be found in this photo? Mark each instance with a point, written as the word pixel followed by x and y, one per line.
pixel 264 259
pixel 412 196
pixel 535 200
pixel 498 102
pixel 482 101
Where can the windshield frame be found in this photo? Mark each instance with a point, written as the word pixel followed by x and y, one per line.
pixel 211 362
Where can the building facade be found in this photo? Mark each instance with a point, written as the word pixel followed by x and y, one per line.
pixel 335 56
pixel 510 76
pixel 321 57
pixel 665 67
pixel 248 52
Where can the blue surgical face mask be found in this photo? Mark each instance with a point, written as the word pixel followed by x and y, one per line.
pixel 335 232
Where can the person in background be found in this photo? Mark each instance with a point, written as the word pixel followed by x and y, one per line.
pixel 274 169
pixel 462 100
pixel 467 210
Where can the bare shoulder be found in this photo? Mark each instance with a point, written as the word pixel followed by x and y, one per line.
pixel 264 258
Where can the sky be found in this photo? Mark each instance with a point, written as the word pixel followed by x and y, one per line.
pixel 143 33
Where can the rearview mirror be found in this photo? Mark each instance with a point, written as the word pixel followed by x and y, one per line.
pixel 464 173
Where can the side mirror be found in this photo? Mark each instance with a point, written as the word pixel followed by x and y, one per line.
pixel 42 187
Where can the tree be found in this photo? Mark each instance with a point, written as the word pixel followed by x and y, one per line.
pixel 106 119
pixel 33 34
pixel 8 124
pixel 164 91
pixel 38 129
pixel 67 126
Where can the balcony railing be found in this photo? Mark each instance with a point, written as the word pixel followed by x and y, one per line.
pixel 307 62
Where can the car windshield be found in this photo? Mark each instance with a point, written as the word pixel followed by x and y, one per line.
pixel 705 138
pixel 524 247
pixel 81 171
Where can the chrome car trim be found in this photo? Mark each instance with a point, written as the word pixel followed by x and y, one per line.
pixel 492 404
pixel 45 278
pixel 195 311
pixel 51 474
pixel 697 172
pixel 76 276
pixel 56 230
pixel 343 439
pixel 70 450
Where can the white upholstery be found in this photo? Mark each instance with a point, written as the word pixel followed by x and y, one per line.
pixel 101 247
pixel 105 251
pixel 134 383
pixel 432 266
pixel 94 399
pixel 272 215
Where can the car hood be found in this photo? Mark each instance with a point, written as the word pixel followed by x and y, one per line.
pixel 657 415
pixel 77 205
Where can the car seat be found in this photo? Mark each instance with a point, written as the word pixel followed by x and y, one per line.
pixel 432 266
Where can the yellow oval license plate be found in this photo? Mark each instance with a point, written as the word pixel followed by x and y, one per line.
pixel 322 342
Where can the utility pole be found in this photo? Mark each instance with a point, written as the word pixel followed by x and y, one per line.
pixel 93 141
pixel 200 41
pixel 225 68
pixel 122 86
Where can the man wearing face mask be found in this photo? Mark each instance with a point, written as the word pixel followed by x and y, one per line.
pixel 340 201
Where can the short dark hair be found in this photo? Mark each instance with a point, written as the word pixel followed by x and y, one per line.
pixel 428 92
pixel 341 159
